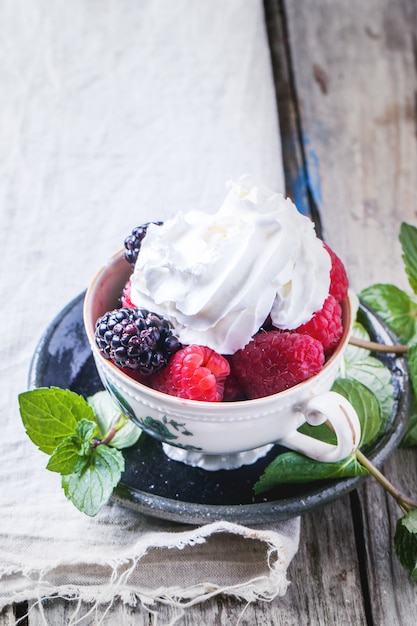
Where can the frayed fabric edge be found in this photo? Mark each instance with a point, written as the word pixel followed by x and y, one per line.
pixel 176 598
pixel 119 588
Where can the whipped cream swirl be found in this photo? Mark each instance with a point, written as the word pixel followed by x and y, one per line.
pixel 216 277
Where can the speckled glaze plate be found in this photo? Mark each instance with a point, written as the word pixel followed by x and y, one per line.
pixel 158 486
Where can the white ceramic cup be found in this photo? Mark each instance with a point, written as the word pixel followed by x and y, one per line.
pixel 217 435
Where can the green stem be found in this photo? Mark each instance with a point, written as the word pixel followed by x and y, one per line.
pixel 405 504
pixel 110 433
pixel 377 347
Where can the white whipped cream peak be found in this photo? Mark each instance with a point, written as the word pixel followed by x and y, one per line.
pixel 216 277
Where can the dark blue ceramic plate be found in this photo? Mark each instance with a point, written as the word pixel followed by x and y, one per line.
pixel 155 485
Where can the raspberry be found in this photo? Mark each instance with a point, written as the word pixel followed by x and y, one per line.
pixel 233 390
pixel 195 372
pixel 339 281
pixel 325 325
pixel 133 242
pixel 136 339
pixel 276 360
pixel 125 300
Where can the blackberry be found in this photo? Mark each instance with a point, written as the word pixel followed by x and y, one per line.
pixel 133 242
pixel 136 339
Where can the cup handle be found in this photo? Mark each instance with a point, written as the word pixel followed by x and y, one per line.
pixel 341 415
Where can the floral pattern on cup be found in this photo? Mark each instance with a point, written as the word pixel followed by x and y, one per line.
pixel 157 428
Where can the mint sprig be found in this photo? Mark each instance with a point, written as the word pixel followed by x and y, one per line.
pixel 50 415
pixel 293 467
pixel 397 308
pixel 71 455
pixel 91 488
pixel 82 438
pixel 408 240
pixel 405 542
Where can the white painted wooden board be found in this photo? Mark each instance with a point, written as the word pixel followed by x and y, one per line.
pixel 355 79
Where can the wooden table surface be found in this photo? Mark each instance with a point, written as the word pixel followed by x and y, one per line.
pixel 346 77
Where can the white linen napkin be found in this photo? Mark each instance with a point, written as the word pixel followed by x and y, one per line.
pixel 112 115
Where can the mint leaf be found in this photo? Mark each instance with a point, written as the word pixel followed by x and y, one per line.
pixel 71 455
pixel 408 239
pixel 50 415
pixel 405 542
pixel 409 439
pixel 66 457
pixel 293 467
pixel 85 431
pixel 412 365
pixel 321 432
pixel 353 354
pixel 107 415
pixel 63 424
pixel 395 307
pixel 365 404
pixel 91 488
pixel 371 372
pixel 376 377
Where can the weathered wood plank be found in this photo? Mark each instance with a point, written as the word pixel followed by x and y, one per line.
pixel 294 164
pixel 7 617
pixel 326 587
pixel 393 593
pixel 355 80
pixel 61 612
